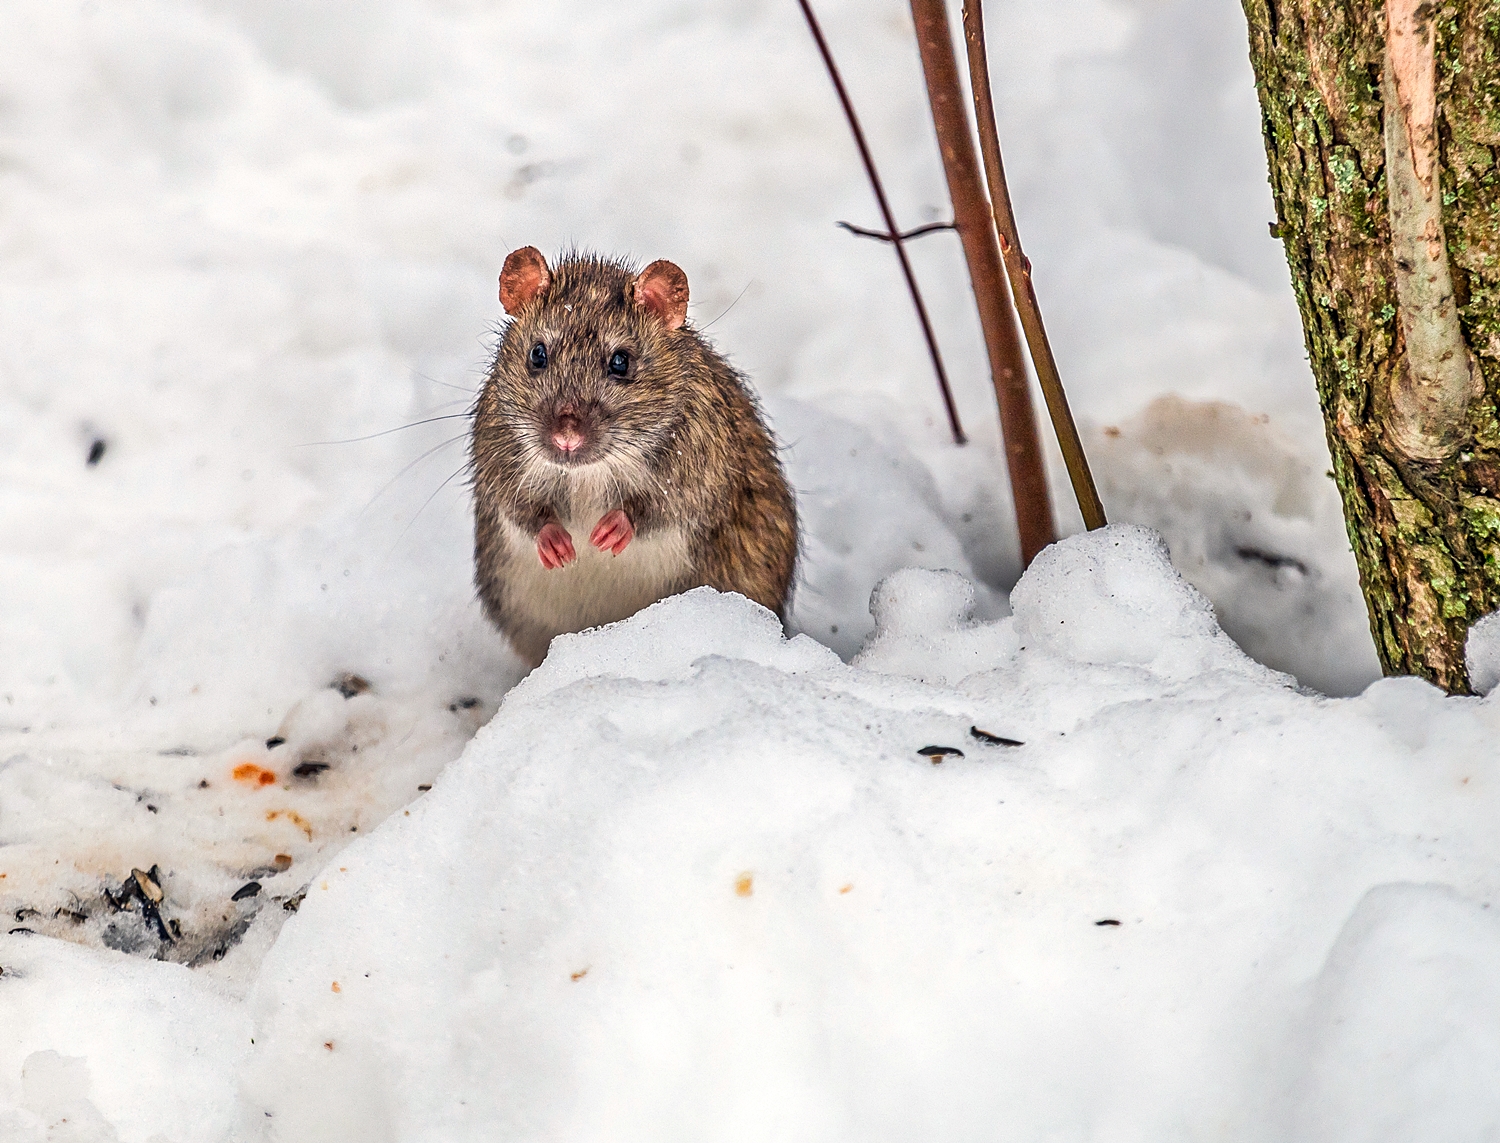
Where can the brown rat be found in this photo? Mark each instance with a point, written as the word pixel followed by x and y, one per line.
pixel 617 458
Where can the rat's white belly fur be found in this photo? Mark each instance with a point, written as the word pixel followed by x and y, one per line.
pixel 598 587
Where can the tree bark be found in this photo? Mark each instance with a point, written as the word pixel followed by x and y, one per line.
pixel 1382 127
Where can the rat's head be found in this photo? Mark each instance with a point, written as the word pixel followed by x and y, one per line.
pixel 594 366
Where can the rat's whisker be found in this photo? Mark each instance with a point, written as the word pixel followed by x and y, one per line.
pixel 409 466
pixel 428 501
pixel 730 306
pixel 388 432
pixel 445 384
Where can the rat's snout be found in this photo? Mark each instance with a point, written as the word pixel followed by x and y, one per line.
pixel 569 433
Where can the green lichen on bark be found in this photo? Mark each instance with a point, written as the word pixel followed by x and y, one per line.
pixel 1426 536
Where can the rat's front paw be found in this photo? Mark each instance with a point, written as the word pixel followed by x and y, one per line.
pixel 554 546
pixel 613 532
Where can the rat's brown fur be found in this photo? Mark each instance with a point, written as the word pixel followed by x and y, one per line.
pixel 679 445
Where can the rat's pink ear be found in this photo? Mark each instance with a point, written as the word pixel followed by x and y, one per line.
pixel 523 277
pixel 662 288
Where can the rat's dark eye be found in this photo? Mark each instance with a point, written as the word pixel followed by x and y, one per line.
pixel 619 364
pixel 538 358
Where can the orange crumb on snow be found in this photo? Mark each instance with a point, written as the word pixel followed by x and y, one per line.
pixel 580 974
pixel 329 1043
pixel 846 888
pixel 336 987
pixel 253 774
pixel 744 885
pixel 292 816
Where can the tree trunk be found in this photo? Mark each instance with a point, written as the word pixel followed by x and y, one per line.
pixel 1382 126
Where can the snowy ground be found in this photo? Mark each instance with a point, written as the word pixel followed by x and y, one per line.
pixel 690 879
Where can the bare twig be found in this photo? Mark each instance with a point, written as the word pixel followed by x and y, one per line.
pixel 882 236
pixel 1018 266
pixel 890 221
pixel 976 229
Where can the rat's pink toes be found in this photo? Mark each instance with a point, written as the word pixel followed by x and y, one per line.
pixel 613 532
pixel 554 546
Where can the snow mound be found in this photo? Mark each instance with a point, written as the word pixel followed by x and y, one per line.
pixel 915 602
pixel 1408 1002
pixel 1246 512
pixel 924 628
pixel 665 639
pixel 1108 598
pixel 1482 654
pixel 1113 596
pixel 696 880
pixel 99 1046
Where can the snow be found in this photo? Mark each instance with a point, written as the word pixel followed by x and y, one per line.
pixel 690 878
pixel 1482 654
pixel 1406 952
pixel 116 1046
pixel 712 890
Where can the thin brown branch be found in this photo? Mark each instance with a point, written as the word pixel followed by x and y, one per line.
pixel 882 236
pixel 976 229
pixel 890 221
pixel 1018 266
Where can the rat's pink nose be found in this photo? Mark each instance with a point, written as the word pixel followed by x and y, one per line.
pixel 566 435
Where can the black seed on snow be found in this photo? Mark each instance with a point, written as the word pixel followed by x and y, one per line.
pixel 425 788
pixel 310 769
pixel 152 808
pixel 1107 921
pixel 96 451
pixel 936 754
pixel 467 703
pixel 274 741
pixel 993 739
pixel 1270 559
pixel 349 684
pixel 153 916
pixel 203 783
pixel 248 889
